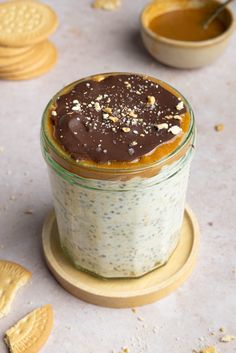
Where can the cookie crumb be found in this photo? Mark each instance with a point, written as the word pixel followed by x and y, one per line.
pixel 175 130
pixel 133 114
pixel 219 127
pixel 211 349
pixel 108 5
pixel 29 211
pixel 76 107
pixel 227 338
pixel 114 119
pixel 128 85
pixel 97 107
pixel 155 329
pixel 211 333
pixel 126 129
pixel 107 110
pixel 178 117
pixel 140 318
pixel 180 105
pixel 161 126
pixel 151 100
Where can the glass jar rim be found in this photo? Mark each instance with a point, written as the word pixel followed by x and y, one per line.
pixel 100 167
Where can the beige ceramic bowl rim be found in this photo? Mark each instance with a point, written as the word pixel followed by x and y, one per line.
pixel 188 44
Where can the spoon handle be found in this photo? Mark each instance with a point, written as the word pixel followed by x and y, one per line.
pixel 216 13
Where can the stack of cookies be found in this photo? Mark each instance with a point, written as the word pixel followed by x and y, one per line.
pixel 25 51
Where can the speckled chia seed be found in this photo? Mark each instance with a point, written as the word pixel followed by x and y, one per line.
pixel 121 229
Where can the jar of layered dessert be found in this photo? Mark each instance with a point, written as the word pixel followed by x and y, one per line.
pixel 118 148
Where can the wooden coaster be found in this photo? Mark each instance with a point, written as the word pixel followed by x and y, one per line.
pixel 122 293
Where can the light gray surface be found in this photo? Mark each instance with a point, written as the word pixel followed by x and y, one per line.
pixel 92 41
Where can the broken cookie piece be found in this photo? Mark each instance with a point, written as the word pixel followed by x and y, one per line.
pixel 30 333
pixel 12 277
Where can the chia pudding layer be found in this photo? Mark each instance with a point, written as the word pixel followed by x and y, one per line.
pixel 119 149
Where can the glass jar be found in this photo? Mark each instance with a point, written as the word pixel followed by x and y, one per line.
pixel 118 223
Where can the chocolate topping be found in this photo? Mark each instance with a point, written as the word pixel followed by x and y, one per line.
pixel 121 118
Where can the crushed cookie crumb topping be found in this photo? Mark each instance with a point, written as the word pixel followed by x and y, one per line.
pixel 107 110
pixel 175 130
pixel 133 143
pixel 114 119
pixel 99 97
pixel 126 129
pixel 97 107
pixel 110 123
pixel 128 85
pixel 161 126
pixel 133 114
pixel 151 100
pixel 76 107
pixel 178 117
pixel 180 106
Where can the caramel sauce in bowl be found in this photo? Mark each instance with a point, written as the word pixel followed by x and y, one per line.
pixel 172 32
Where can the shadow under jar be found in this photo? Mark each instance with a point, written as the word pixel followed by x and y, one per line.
pixel 118 148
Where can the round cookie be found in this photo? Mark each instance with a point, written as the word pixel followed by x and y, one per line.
pixel 21 58
pixel 7 52
pixel 25 22
pixel 29 60
pixel 44 66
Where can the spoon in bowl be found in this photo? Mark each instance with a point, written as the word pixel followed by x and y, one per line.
pixel 215 13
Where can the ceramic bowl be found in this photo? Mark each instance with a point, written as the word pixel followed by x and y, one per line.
pixel 178 53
